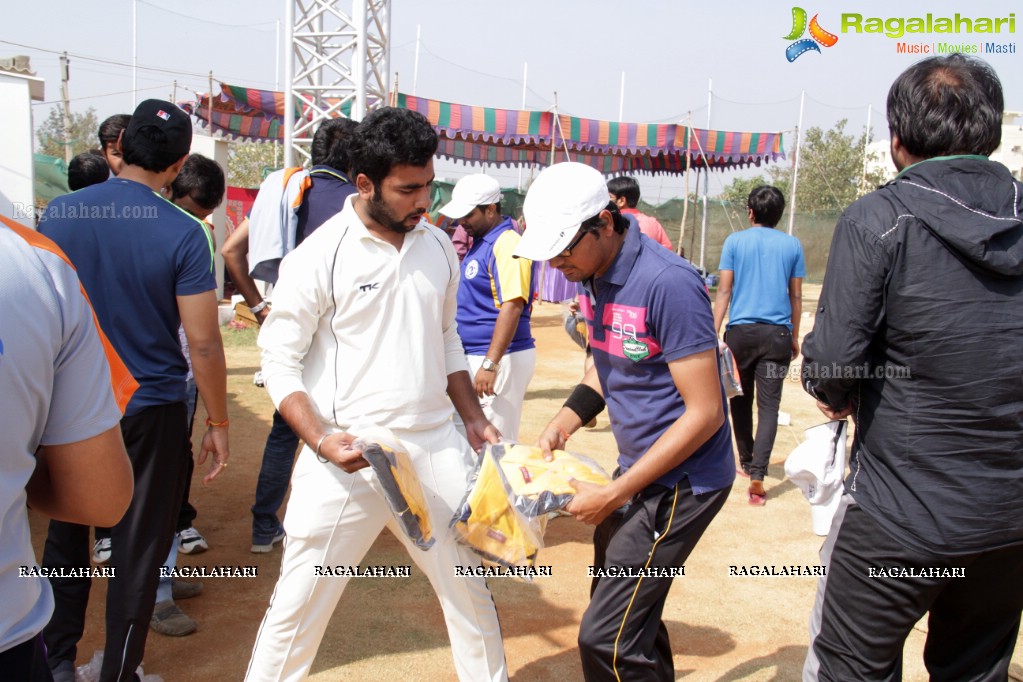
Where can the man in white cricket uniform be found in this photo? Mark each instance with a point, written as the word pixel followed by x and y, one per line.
pixel 363 333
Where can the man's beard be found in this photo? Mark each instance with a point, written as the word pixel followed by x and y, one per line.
pixel 382 214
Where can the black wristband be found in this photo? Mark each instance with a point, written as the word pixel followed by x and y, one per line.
pixel 585 402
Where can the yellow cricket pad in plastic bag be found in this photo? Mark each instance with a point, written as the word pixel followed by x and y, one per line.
pixel 503 515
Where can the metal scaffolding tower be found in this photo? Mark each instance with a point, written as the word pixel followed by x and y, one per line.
pixel 336 64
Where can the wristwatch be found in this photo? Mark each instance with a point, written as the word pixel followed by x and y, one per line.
pixel 489 365
pixel 259 307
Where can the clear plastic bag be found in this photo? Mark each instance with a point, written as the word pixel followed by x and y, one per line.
pixel 503 515
pixel 398 482
pixel 729 371
pixel 575 326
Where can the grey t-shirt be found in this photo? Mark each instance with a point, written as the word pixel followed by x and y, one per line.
pixel 55 388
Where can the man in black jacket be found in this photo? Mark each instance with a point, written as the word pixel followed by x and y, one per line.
pixel 918 336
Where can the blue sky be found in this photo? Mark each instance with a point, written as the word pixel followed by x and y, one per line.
pixel 473 51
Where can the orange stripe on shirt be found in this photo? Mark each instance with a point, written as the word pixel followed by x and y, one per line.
pixel 307 182
pixel 121 380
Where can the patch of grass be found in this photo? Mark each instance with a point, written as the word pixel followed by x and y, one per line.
pixel 239 338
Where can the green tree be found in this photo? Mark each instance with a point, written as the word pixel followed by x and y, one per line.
pixel 50 132
pixel 249 162
pixel 737 191
pixel 830 170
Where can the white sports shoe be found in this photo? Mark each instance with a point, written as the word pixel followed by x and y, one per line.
pixel 101 551
pixel 191 541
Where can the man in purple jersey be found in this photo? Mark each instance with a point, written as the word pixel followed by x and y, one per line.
pixel 655 364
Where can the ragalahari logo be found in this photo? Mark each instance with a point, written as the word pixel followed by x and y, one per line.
pixel 817 35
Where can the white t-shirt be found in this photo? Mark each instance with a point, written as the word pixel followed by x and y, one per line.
pixel 366 330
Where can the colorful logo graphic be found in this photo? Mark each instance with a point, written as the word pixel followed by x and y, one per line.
pixel 817 35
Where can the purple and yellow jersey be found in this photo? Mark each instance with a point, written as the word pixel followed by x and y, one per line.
pixel 490 276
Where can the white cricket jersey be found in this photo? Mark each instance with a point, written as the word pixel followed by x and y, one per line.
pixel 367 331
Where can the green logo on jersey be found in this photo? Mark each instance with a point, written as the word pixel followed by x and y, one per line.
pixel 635 350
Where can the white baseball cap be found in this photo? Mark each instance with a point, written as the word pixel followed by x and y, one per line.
pixel 470 192
pixel 817 467
pixel 561 198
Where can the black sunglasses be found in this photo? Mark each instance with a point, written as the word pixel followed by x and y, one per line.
pixel 575 242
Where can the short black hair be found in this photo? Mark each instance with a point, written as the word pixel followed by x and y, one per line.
pixel 390 137
pixel 330 143
pixel 621 223
pixel 767 204
pixel 88 168
pixel 947 105
pixel 625 187
pixel 202 179
pixel 110 129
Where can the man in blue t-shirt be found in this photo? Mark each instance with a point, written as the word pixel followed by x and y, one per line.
pixel 147 266
pixel 495 300
pixel 762 273
pixel 655 363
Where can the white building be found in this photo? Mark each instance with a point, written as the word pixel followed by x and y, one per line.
pixel 19 87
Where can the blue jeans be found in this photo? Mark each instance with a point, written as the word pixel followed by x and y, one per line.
pixel 274 477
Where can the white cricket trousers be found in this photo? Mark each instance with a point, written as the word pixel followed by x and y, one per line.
pixel 332 520
pixel 504 408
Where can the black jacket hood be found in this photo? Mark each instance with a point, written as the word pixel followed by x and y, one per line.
pixel 973 205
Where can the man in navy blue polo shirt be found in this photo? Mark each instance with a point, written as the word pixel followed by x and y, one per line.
pixel 655 363
pixel 495 300
pixel 147 267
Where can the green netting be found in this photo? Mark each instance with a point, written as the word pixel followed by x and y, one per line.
pixel 50 178
pixel 814 230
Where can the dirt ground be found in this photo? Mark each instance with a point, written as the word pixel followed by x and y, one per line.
pixel 722 627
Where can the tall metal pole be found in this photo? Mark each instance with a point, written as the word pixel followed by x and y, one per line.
pixel 134 54
pixel 383 11
pixel 685 191
pixel 706 179
pixel 525 75
pixel 703 222
pixel 277 75
pixel 710 99
pixel 209 108
pixel 795 164
pixel 555 127
pixel 415 69
pixel 65 75
pixel 359 20
pixel 692 232
pixel 866 148
pixel 621 100
pixel 289 80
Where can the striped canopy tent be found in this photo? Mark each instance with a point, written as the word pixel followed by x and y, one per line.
pixel 250 113
pixel 514 137
pixel 519 137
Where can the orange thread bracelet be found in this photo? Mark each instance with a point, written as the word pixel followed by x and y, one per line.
pixel 217 424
